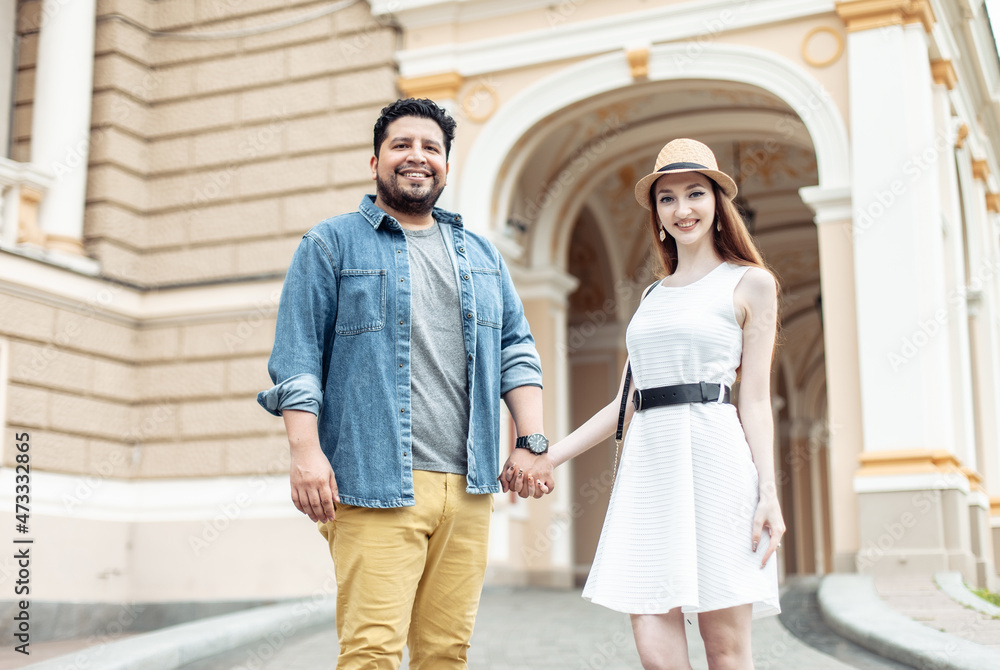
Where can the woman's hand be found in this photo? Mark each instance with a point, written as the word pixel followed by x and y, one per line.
pixel 526 474
pixel 768 515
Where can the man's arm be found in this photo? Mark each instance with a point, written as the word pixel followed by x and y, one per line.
pixel 306 315
pixel 314 488
pixel 525 405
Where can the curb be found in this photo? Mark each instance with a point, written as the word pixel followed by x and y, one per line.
pixel 953 586
pixel 852 608
pixel 172 647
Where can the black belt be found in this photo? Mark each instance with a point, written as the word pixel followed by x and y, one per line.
pixel 681 393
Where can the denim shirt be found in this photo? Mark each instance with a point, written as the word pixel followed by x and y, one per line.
pixel 342 350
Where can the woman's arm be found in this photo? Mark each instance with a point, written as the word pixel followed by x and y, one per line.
pixel 757 295
pixel 598 428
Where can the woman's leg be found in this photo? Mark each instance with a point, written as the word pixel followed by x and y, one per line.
pixel 661 640
pixel 727 637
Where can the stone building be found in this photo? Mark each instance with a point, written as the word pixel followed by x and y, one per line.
pixel 164 158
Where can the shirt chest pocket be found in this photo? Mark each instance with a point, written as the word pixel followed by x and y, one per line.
pixel 489 297
pixel 361 301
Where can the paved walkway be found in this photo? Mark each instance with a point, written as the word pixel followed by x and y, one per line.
pixel 532 629
pixel 920 599
pixel 525 629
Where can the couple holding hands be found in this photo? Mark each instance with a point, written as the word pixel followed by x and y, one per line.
pixel 398 333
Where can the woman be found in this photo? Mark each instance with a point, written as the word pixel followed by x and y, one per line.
pixel 694 515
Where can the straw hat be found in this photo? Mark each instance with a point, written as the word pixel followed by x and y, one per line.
pixel 684 155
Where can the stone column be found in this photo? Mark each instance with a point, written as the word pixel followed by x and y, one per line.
pixel 982 299
pixel 60 134
pixel 843 381
pixel 912 492
pixel 541 543
pixel 8 17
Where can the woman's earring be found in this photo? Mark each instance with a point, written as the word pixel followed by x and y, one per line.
pixel 718 226
pixel 663 234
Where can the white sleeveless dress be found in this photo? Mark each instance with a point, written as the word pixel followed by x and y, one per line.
pixel 680 522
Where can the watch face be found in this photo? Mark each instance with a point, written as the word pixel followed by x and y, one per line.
pixel 537 443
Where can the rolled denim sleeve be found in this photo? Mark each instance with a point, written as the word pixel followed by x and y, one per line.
pixel 520 364
pixel 306 317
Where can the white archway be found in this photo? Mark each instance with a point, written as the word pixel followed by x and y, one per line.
pixel 481 195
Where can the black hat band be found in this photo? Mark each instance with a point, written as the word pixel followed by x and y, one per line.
pixel 683 166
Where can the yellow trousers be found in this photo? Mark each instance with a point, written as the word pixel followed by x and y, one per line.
pixel 410 576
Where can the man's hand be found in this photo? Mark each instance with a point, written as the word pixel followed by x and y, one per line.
pixel 314 488
pixel 527 475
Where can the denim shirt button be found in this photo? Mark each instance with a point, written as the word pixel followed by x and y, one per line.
pixel 469 315
pixel 470 357
pixel 466 276
pixel 402 279
pixel 462 249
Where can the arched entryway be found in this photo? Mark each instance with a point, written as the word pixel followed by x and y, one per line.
pixel 554 179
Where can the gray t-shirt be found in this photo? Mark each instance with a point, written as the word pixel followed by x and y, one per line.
pixel 439 390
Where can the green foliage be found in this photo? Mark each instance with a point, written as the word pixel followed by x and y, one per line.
pixel 988 596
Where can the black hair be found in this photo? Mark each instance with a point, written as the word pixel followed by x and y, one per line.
pixel 421 107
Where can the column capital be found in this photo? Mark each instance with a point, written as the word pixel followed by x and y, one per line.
pixel 860 15
pixel 543 284
pixel 829 204
pixel 901 469
pixel 441 86
pixel 908 461
pixel 943 71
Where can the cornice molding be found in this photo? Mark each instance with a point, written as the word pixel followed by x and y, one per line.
pixel 153 500
pixel 48 284
pixel 860 15
pixel 704 19
pixel 411 14
pixel 912 462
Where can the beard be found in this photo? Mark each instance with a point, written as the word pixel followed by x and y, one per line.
pixel 409 199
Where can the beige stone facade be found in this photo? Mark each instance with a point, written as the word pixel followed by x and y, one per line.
pixel 864 136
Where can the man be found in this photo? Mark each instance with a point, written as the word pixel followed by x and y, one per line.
pixel 398 333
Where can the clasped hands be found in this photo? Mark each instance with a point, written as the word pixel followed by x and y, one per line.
pixel 527 475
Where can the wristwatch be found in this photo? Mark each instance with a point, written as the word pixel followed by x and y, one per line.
pixel 536 443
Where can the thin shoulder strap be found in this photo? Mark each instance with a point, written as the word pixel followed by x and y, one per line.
pixel 628 379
